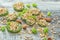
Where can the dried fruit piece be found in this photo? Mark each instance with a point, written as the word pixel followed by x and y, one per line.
pixel 13 27
pixel 49 13
pixel 3 11
pixel 42 23
pixel 11 17
pixel 30 21
pixel 34 11
pixel 28 5
pixel 18 6
pixel 2 29
pixel 34 5
pixel 45 30
pixel 21 13
pixel 34 31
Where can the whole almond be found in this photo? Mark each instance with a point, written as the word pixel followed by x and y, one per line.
pixel 24 26
pixel 19 21
pixel 48 19
pixel 49 38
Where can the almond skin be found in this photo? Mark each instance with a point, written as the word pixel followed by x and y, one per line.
pixel 48 19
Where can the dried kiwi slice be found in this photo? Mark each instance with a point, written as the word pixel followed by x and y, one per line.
pixel 12 17
pixel 30 21
pixel 3 11
pixel 18 6
pixel 42 23
pixel 34 11
pixel 13 27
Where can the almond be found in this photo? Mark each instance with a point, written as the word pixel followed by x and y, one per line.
pixel 49 38
pixel 48 19
pixel 24 26
pixel 19 21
